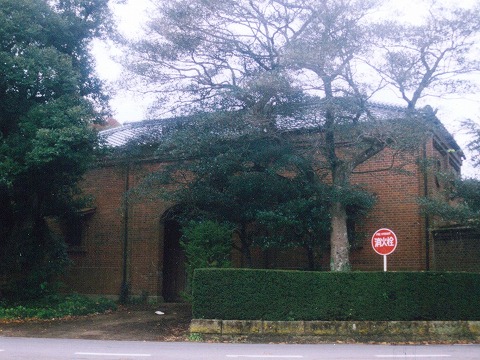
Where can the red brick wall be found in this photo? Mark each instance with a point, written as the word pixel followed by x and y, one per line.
pixel 397 209
pixel 144 237
pixel 98 265
pixel 457 249
pixel 98 268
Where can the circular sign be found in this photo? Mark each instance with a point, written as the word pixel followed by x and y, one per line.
pixel 384 241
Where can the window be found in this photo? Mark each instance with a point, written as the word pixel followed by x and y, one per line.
pixel 73 227
pixel 447 160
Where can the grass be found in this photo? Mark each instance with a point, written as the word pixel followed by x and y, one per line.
pixel 195 337
pixel 55 306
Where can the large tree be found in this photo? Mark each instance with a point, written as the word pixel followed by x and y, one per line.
pixel 266 54
pixel 230 173
pixel 49 97
pixel 433 58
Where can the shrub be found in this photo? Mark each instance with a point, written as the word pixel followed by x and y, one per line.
pixel 245 294
pixel 56 306
pixel 207 244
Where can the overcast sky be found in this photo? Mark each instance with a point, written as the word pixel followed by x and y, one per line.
pixel 128 106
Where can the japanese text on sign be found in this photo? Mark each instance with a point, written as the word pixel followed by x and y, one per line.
pixel 384 241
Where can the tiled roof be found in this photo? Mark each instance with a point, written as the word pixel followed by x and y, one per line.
pixel 129 132
pixel 309 118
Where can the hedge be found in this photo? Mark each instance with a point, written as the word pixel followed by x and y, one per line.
pixel 244 294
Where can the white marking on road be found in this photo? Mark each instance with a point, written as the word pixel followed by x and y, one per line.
pixel 111 354
pixel 267 356
pixel 412 356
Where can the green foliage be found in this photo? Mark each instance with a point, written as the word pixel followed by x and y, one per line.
pixel 473 130
pixel 49 97
pixel 244 294
pixel 303 221
pixel 211 55
pixel 56 306
pixel 42 264
pixel 207 244
pixel 469 191
pixel 195 337
pixel 261 183
pixel 297 219
pixel 460 203
pixel 237 175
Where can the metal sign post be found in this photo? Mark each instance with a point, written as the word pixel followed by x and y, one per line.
pixel 384 242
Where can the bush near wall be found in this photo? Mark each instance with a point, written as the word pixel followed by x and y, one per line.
pixel 243 294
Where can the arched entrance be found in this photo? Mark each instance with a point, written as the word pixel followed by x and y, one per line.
pixel 174 274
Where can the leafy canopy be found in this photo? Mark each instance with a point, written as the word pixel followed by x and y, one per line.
pixel 231 173
pixel 49 97
pixel 226 55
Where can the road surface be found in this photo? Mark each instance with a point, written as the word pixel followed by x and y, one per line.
pixel 52 349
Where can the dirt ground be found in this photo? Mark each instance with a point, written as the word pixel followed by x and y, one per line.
pixel 137 323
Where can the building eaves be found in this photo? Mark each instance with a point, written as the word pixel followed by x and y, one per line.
pixel 310 118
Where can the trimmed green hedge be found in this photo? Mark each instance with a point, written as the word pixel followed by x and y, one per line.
pixel 243 294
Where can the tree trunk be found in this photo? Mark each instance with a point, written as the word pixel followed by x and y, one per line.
pixel 340 248
pixel 341 171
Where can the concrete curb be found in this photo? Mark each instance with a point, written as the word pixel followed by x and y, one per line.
pixel 362 331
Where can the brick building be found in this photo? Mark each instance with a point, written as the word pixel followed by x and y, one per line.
pixel 122 243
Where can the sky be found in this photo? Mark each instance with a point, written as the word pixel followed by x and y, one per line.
pixel 130 107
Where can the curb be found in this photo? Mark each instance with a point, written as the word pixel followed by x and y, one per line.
pixel 362 331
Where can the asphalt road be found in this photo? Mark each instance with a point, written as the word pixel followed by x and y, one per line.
pixel 52 349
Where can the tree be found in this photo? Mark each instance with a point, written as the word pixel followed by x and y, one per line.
pixel 263 55
pixel 460 204
pixel 213 55
pixel 473 130
pixel 206 244
pixel 49 97
pixel 433 58
pixel 460 201
pixel 231 174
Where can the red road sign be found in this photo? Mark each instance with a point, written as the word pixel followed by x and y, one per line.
pixel 384 241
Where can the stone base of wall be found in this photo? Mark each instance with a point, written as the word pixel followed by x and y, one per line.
pixel 356 331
